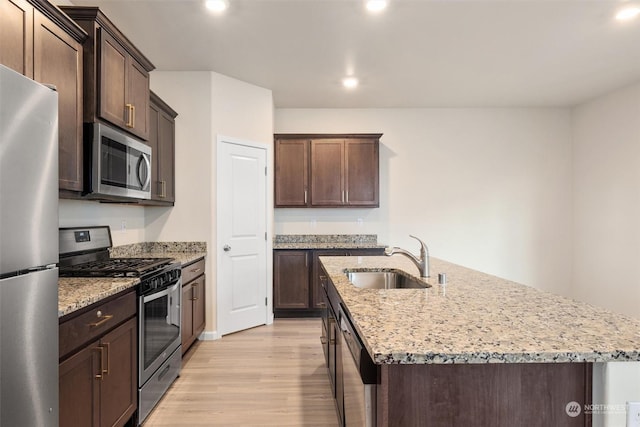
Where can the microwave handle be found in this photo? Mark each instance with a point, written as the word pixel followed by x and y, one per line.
pixel 143 157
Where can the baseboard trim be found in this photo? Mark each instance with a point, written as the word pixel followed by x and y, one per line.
pixel 209 336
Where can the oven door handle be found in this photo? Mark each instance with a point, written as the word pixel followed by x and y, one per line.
pixel 160 294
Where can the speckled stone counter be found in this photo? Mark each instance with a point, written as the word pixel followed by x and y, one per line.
pixel 185 252
pixel 75 293
pixel 326 241
pixel 477 318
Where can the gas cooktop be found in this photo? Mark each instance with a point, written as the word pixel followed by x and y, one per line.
pixel 115 267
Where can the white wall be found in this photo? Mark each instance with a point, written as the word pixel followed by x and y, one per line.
pixel 208 104
pixel 127 222
pixel 606 177
pixel 606 242
pixel 486 188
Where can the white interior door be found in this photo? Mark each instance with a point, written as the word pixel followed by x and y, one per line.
pixel 242 245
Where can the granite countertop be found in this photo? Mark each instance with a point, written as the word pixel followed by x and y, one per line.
pixel 477 318
pixel 326 241
pixel 75 293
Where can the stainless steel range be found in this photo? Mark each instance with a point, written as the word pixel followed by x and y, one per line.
pixel 84 252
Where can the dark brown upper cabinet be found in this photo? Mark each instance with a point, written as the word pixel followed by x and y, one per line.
pixel 116 74
pixel 162 143
pixel 292 172
pixel 327 170
pixel 42 43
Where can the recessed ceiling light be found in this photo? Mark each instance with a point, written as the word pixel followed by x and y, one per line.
pixel 376 5
pixel 217 5
pixel 628 13
pixel 350 82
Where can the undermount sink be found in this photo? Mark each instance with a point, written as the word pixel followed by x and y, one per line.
pixel 384 280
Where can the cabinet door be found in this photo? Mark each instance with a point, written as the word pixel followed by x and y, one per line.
pixel 119 385
pixel 137 96
pixel 327 172
pixel 291 279
pixel 113 85
pixel 57 60
pixel 186 327
pixel 198 306
pixel 291 172
pixel 16 36
pixel 79 387
pixel 166 161
pixel 154 116
pixel 317 293
pixel 361 172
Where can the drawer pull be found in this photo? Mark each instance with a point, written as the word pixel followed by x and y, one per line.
pixel 102 321
pixel 196 270
pixel 322 305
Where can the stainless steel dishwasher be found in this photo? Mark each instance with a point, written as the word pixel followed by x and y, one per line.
pixel 359 377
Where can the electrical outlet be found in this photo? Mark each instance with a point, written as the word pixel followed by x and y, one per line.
pixel 123 226
pixel 633 414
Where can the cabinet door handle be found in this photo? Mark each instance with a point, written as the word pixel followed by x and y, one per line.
pixel 323 340
pixel 347 196
pixel 194 289
pixel 102 320
pixel 101 350
pixel 163 189
pixel 305 197
pixel 129 123
pixel 133 116
pixel 106 372
pixel 342 196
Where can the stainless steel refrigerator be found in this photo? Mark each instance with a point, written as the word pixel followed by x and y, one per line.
pixel 28 252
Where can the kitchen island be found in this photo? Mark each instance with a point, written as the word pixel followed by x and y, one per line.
pixel 479 350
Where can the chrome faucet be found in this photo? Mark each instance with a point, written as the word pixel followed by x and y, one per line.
pixel 422 263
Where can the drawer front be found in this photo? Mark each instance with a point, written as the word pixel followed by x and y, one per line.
pixel 101 318
pixel 192 271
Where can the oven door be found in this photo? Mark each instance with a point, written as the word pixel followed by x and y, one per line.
pixel 159 328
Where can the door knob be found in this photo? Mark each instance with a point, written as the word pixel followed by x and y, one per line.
pixel 226 248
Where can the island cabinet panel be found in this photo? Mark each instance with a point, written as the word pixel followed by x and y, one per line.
pixel 496 394
pixel 327 170
pixel 193 303
pixel 291 172
pixel 291 280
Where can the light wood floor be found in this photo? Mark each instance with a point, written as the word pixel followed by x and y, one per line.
pixel 267 376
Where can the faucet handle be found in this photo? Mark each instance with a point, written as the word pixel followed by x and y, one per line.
pixel 423 246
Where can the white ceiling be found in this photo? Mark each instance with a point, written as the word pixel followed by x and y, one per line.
pixel 418 53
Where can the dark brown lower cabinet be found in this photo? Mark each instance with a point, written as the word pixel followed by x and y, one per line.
pixel 98 384
pixel 436 395
pixel 296 279
pixel 193 303
pixel 98 371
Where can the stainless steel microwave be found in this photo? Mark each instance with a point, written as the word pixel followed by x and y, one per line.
pixel 117 165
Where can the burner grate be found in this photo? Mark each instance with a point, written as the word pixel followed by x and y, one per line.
pixel 115 267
